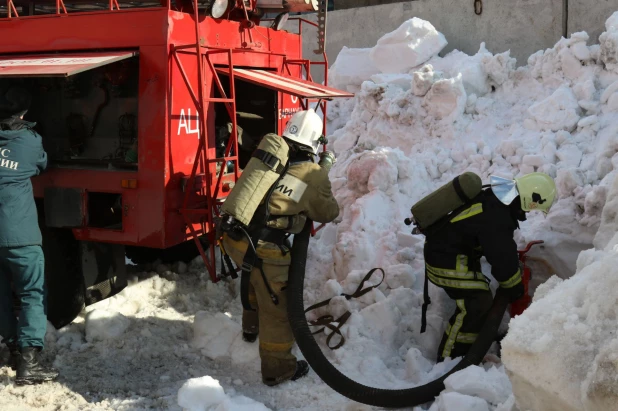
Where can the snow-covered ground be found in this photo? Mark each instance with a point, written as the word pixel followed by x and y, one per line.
pixel 172 340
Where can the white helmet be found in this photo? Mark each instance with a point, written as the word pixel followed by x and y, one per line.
pixel 305 128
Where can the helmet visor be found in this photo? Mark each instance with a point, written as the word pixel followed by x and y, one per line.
pixel 504 189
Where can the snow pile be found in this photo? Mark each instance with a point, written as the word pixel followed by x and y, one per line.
pixel 206 394
pixel 562 352
pixel 476 389
pixel 407 133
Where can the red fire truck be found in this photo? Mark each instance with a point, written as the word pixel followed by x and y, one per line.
pixel 141 107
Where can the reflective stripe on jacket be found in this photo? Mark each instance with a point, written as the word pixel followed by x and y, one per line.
pixel 484 228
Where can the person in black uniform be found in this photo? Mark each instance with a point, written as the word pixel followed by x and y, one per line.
pixel 484 228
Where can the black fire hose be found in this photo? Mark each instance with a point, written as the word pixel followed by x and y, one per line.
pixel 345 386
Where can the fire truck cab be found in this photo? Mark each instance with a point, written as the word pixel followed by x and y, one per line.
pixel 148 113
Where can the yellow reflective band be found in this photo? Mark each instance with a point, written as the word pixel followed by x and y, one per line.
pixel 462 284
pixel 462 263
pixel 465 275
pixel 276 347
pixel 465 338
pixel 450 342
pixel 511 282
pixel 475 209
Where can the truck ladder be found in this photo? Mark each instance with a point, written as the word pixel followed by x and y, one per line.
pixel 203 161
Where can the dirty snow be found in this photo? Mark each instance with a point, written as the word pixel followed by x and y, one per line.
pixel 571 333
pixel 172 341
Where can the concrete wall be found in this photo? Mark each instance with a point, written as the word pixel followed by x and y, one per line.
pixel 348 4
pixel 590 16
pixel 522 26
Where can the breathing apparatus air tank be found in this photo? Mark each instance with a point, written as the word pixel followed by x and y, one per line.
pixel 445 200
pixel 262 171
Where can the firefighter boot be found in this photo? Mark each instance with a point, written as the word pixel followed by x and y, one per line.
pixel 302 369
pixel 30 371
pixel 249 337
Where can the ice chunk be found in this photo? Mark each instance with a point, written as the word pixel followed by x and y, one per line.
pixel 533 160
pixel 104 325
pixel 560 111
pixel 424 79
pixel 411 45
pixel 570 154
pixel 581 51
pixel 609 43
pixel 199 394
pixel 492 385
pixel 454 401
pixel 401 275
pixel 206 394
pixel 403 81
pixel 500 67
pixel 214 334
pixel 351 68
pixel 416 365
pixel 609 218
pixel 446 99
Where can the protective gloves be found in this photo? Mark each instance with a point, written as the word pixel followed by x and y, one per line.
pixel 516 292
pixel 327 160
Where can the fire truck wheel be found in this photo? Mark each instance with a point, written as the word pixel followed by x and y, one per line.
pixel 63 274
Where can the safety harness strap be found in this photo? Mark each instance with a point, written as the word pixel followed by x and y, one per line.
pixel 426 302
pixel 250 261
pixel 270 160
pixel 459 190
pixel 327 321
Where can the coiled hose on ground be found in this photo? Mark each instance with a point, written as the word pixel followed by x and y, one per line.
pixel 351 389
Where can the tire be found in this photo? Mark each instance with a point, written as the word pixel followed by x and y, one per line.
pixel 63 274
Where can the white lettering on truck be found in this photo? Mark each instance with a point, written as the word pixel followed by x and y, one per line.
pixel 185 122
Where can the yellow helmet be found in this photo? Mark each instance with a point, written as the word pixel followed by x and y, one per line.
pixel 537 191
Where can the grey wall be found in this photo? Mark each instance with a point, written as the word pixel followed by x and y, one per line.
pixel 522 26
pixel 348 4
pixel 590 16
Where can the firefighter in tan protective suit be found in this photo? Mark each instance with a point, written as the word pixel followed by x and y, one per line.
pixel 304 191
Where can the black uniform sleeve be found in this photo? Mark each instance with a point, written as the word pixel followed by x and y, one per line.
pixel 500 250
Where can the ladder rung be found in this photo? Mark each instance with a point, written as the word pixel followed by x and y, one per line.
pixel 221 160
pixel 219 100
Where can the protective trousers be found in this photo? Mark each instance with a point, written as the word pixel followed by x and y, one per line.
pixel 467 321
pixel 276 338
pixel 25 268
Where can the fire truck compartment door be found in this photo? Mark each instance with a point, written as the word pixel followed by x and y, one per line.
pixel 57 65
pixel 287 84
pixel 64 207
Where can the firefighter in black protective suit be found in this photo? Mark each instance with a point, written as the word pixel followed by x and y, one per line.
pixel 484 228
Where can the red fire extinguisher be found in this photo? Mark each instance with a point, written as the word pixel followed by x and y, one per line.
pixel 520 305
